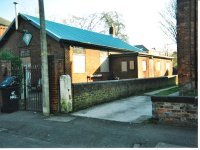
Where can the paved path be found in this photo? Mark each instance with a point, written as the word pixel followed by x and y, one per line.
pixel 132 109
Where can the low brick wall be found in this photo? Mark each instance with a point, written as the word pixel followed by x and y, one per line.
pixel 175 110
pixel 92 93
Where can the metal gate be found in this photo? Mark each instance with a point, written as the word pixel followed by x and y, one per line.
pixel 32 91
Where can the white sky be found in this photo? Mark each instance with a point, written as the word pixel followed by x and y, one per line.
pixel 141 17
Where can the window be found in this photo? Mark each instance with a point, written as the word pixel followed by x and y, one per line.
pixel 144 65
pixel 104 62
pixel 79 63
pixel 78 50
pixel 158 66
pixel 167 66
pixel 131 65
pixel 124 66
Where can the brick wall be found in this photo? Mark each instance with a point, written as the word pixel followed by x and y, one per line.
pixel 175 110
pixel 138 72
pixel 141 72
pixel 152 69
pixel 88 94
pixel 115 65
pixel 55 71
pixel 92 66
pixel 15 44
pixel 187 26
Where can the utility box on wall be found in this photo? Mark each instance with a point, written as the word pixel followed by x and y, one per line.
pixel 65 94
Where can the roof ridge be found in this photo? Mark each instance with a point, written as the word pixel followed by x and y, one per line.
pixel 61 31
pixel 70 26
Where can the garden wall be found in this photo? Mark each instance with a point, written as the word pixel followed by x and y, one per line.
pixel 92 93
pixel 175 110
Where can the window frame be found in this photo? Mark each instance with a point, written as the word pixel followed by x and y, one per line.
pixel 167 66
pixel 126 67
pixel 144 67
pixel 158 66
pixel 131 66
pixel 105 57
pixel 74 70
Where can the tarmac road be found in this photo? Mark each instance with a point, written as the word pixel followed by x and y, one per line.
pixel 32 130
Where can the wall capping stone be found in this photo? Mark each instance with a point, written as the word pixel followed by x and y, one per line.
pixel 175 99
pixel 125 80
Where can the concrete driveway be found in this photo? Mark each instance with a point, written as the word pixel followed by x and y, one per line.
pixel 133 109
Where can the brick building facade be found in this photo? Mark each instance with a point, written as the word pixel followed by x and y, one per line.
pixel 61 55
pixel 140 65
pixel 187 50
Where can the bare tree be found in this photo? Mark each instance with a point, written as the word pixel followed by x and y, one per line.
pixel 115 19
pixel 168 21
pixel 100 22
pixel 89 22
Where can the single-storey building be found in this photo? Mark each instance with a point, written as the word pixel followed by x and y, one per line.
pixel 84 55
pixel 142 47
pixel 140 65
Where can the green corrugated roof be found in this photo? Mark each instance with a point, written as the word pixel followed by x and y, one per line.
pixel 64 32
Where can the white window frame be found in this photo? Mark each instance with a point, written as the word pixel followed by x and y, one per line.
pixel 104 62
pixel 167 66
pixel 78 66
pixel 124 66
pixel 144 65
pixel 158 66
pixel 131 65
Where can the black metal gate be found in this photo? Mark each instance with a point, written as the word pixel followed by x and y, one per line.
pixel 32 90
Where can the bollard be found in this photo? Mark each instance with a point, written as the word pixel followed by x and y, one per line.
pixel 65 94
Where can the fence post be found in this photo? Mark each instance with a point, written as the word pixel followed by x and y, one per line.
pixel 65 94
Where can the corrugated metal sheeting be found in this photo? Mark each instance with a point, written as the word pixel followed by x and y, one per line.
pixel 64 32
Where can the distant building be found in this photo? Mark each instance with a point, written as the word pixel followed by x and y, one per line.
pixel 3 25
pixel 142 47
pixel 152 51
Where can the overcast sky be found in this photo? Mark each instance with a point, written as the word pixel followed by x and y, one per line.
pixel 141 17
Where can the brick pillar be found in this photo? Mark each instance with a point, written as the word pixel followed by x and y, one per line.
pixel 56 69
pixel 187 44
pixel 68 61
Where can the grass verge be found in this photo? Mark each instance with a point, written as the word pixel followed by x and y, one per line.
pixel 168 92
